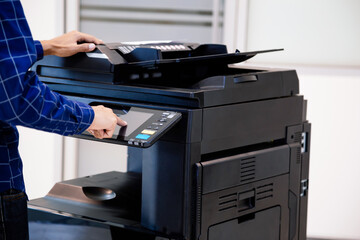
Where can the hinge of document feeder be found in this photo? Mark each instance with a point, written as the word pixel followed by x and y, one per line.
pixel 304 136
pixel 304 186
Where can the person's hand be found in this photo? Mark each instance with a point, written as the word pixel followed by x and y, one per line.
pixel 104 123
pixel 69 44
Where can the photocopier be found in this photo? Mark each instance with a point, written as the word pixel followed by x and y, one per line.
pixel 215 150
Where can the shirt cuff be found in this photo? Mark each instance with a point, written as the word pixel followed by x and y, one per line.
pixel 39 50
pixel 87 117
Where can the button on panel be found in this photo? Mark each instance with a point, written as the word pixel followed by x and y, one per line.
pixel 150 132
pixel 142 136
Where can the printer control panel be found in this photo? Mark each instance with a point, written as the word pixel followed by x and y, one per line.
pixel 145 126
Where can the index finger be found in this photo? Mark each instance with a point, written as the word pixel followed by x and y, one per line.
pixel 121 122
pixel 84 37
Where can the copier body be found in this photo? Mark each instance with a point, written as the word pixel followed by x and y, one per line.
pixel 234 167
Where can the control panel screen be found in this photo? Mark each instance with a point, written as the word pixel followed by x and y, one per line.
pixel 144 126
pixel 134 119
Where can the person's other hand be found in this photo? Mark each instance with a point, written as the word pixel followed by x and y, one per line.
pixel 69 44
pixel 104 123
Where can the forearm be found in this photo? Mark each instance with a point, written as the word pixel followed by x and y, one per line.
pixel 36 106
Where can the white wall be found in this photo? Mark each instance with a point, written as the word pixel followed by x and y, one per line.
pixel 321 40
pixel 42 152
pixel 98 157
pixel 334 111
pixel 45 18
pixel 317 32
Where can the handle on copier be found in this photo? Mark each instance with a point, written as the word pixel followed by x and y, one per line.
pixel 246 78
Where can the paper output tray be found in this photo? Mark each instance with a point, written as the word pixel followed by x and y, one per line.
pixel 113 197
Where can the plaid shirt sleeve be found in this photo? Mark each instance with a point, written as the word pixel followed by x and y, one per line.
pixel 24 100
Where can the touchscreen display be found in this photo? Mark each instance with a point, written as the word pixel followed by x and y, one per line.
pixel 134 120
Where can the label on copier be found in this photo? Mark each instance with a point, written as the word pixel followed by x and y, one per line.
pixel 145 126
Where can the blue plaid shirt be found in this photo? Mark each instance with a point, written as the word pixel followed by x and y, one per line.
pixel 24 100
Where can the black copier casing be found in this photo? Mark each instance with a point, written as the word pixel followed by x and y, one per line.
pixel 236 166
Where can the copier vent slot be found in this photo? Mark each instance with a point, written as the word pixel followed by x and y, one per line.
pixel 245 200
pixel 298 155
pixel 247 169
pixel 297 136
pixel 264 192
pixel 241 201
pixel 227 201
